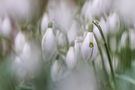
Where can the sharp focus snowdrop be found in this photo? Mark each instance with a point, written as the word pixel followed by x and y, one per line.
pixel 19 42
pixel 71 58
pixel 87 46
pixel 44 23
pixel 5 27
pixel 49 45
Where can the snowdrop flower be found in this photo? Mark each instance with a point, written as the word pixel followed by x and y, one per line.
pixel 73 32
pixel 58 70
pixel 100 7
pixel 86 9
pixel 114 23
pixel 56 10
pixel 61 39
pixel 19 42
pixel 5 27
pixel 49 45
pixel 20 10
pixel 96 8
pixel 71 58
pixel 77 48
pixel 44 23
pixel 27 64
pixel 87 46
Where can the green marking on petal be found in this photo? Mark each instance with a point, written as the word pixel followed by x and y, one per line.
pixel 91 45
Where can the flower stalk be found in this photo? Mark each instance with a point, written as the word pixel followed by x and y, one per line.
pixel 106 48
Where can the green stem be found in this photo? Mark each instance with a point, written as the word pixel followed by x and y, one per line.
pixel 103 63
pixel 107 50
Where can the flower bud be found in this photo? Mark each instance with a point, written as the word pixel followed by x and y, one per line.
pixel 71 58
pixel 114 23
pixel 19 42
pixel 44 23
pixel 6 27
pixel 49 45
pixel 61 39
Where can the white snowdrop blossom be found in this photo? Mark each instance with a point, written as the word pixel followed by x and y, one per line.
pixel 114 23
pixel 49 45
pixel 62 13
pixel 77 48
pixel 95 8
pixel 61 39
pixel 5 27
pixel 73 32
pixel 58 71
pixel 19 42
pixel 71 58
pixel 44 23
pixel 27 63
pixel 87 46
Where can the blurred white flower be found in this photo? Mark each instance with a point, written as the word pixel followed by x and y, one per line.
pixel 27 64
pixel 87 46
pixel 73 32
pixel 58 70
pixel 44 23
pixel 61 39
pixel 49 45
pixel 95 8
pixel 20 10
pixel 62 13
pixel 114 23
pixel 77 48
pixel 71 58
pixel 19 42
pixel 100 7
pixel 5 27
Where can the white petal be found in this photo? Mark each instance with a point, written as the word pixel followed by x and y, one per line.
pixel 6 27
pixel 19 42
pixel 73 32
pixel 44 23
pixel 61 39
pixel 85 48
pixel 58 70
pixel 49 45
pixel 71 58
pixel 114 23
